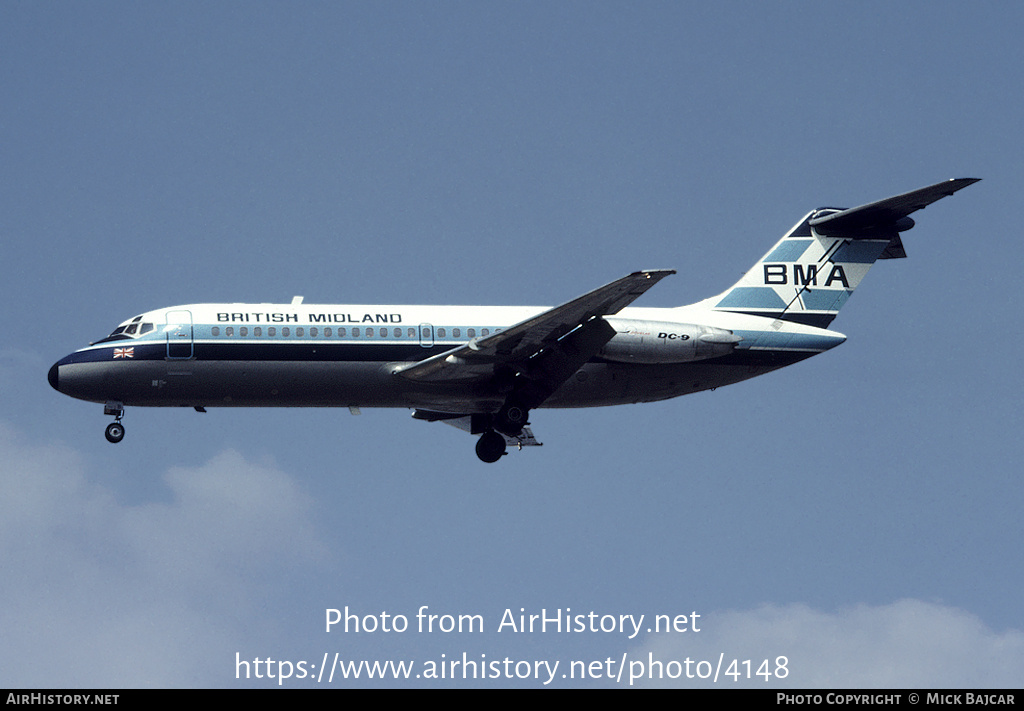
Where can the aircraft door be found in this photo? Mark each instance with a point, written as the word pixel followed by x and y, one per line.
pixel 426 335
pixel 179 335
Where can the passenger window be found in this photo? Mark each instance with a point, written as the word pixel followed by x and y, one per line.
pixel 383 332
pixel 484 331
pixel 243 331
pixel 471 332
pixel 355 332
pixel 257 330
pixel 216 330
pixel 271 331
pixel 313 331
pixel 229 331
pixel 412 333
pixel 285 331
pixel 398 333
pixel 327 331
pixel 440 333
pixel 342 332
pixel 456 332
pixel 300 332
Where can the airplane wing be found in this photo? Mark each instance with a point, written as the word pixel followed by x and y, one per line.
pixel 570 330
pixel 891 212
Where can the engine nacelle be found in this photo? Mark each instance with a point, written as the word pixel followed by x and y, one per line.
pixel 664 342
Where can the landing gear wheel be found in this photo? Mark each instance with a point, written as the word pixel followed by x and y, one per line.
pixel 490 447
pixel 115 432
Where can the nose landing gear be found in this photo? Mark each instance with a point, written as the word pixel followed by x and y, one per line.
pixel 115 430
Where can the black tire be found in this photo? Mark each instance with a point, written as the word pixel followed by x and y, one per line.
pixel 490 447
pixel 115 432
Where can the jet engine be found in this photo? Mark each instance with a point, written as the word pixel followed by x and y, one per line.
pixel 665 342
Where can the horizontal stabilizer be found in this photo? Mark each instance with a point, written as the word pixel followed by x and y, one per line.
pixel 811 272
pixel 887 213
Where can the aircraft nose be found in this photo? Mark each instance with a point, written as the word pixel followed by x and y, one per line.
pixel 54 377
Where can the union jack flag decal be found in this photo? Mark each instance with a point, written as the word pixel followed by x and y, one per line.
pixel 124 352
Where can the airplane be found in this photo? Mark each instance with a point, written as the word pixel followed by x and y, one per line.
pixel 483 369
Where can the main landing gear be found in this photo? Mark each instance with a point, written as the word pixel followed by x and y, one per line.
pixel 509 420
pixel 115 430
pixel 490 447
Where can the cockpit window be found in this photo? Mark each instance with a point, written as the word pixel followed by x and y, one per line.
pixel 114 337
pixel 131 329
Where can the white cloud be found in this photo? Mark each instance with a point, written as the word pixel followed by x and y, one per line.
pixel 98 593
pixel 906 644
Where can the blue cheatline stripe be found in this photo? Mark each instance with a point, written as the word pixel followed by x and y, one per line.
pixel 860 252
pixel 253 350
pixel 752 297
pixel 772 340
pixel 814 342
pixel 789 250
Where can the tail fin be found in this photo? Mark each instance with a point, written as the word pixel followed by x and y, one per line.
pixel 812 271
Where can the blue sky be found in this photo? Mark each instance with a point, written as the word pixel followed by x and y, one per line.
pixel 857 513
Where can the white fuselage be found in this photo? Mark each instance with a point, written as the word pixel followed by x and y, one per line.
pixel 314 355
